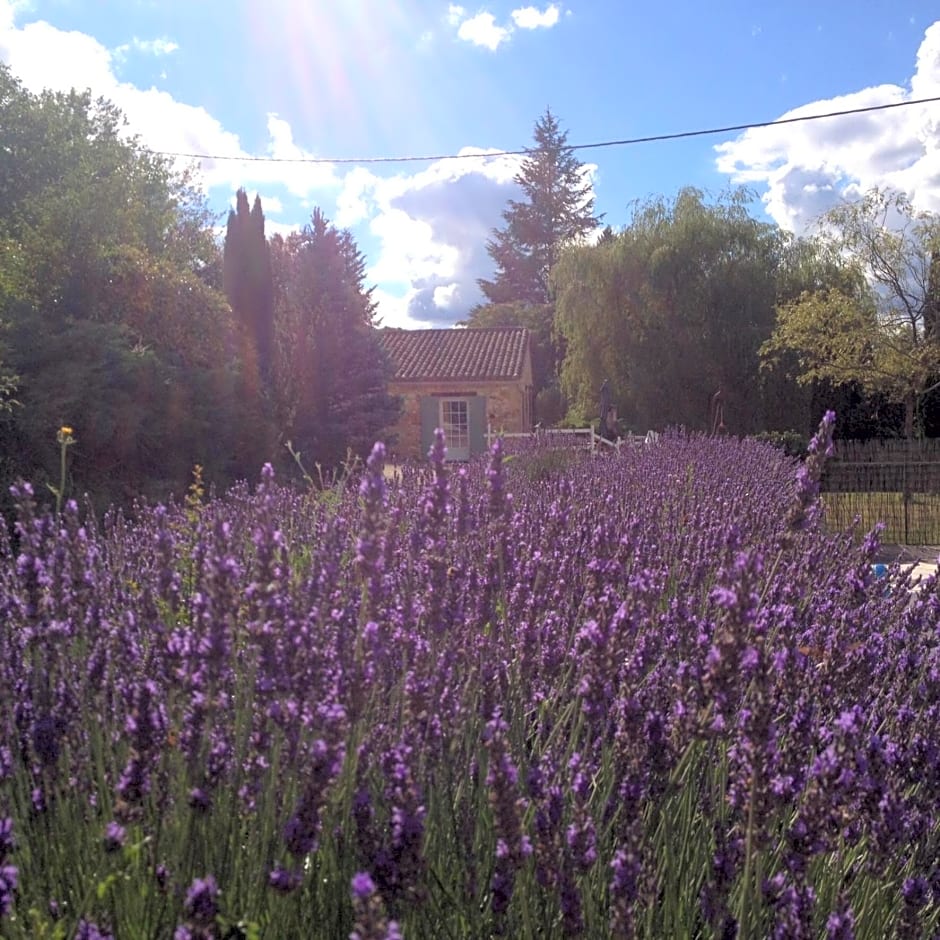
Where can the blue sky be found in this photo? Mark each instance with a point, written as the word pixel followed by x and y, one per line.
pixel 378 78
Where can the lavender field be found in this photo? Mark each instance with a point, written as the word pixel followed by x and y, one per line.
pixel 646 695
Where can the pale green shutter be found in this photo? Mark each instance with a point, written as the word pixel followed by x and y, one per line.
pixel 430 419
pixel 477 413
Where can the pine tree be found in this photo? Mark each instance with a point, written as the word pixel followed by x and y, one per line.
pixel 249 286
pixel 335 374
pixel 558 210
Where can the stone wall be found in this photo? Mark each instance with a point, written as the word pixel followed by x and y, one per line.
pixel 506 408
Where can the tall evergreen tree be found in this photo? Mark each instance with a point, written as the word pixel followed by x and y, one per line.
pixel 334 373
pixel 557 211
pixel 249 285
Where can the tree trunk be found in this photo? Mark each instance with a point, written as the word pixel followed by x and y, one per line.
pixel 910 402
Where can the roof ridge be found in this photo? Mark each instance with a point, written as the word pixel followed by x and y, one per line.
pixel 445 353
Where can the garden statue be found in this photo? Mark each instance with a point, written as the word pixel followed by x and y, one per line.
pixel 606 429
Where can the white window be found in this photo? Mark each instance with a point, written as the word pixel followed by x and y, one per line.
pixel 455 420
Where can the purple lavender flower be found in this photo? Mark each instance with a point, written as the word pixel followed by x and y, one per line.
pixel 508 806
pixel 915 893
pixel 303 828
pixel 369 544
pixel 201 906
pixel 362 886
pixel 7 840
pixel 840 924
pixel 9 879
pixel 47 735
pixel 88 930
pixel 115 836
pixel 284 880
pixel 804 507
pixel 200 800
pixel 625 870
pixel 372 922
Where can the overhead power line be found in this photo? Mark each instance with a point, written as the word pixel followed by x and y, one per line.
pixel 627 141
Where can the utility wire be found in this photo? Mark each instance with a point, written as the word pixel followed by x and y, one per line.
pixel 518 153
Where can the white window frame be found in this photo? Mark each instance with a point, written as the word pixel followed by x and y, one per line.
pixel 454 412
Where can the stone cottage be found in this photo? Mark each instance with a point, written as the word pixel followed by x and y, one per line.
pixel 463 381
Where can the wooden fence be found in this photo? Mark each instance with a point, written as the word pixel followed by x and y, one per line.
pixel 576 438
pixel 893 482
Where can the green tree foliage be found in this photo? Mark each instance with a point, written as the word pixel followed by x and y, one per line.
pixel 249 286
pixel 878 329
pixel 83 207
pixel 674 308
pixel 141 421
pixel 557 210
pixel 332 372
pixel 109 289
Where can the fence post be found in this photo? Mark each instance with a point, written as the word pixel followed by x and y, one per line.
pixel 906 496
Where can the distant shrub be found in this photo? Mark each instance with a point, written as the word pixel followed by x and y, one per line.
pixel 538 465
pixel 549 406
pixel 792 443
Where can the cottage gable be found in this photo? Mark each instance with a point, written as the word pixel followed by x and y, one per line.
pixel 422 355
pixel 468 382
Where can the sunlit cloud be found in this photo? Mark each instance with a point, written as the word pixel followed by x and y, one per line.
pixel 431 228
pixel 424 230
pixel 483 30
pixel 154 47
pixel 807 168
pixel 43 56
pixel 533 18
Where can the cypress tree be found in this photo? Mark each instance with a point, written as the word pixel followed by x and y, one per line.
pixel 249 286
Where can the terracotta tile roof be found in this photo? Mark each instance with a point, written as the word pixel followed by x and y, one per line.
pixel 456 353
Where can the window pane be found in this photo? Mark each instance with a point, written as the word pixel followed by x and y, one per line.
pixel 455 419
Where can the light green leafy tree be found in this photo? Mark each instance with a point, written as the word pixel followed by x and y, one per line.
pixel 674 308
pixel 880 328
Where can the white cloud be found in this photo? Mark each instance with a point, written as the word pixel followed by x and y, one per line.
pixel 154 47
pixel 425 41
pixel 270 204
pixel 481 30
pixel 431 229
pixel 808 167
pixel 533 18
pixel 446 296
pixel 299 178
pixel 42 56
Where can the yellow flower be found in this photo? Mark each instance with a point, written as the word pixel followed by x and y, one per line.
pixel 65 430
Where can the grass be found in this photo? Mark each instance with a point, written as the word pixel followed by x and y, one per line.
pixel 921 526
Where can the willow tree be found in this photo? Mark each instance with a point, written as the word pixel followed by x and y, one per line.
pixel 881 329
pixel 671 309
